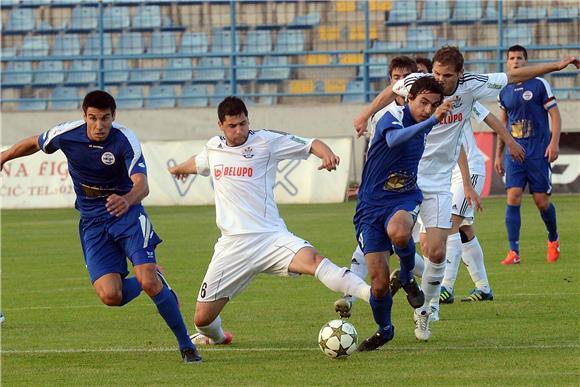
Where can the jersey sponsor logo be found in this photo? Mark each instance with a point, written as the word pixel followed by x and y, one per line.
pixel 400 182
pixel 221 170
pixel 248 152
pixel 299 140
pixel 494 86
pixel 527 95
pixel 96 146
pixel 452 118
pixel 108 158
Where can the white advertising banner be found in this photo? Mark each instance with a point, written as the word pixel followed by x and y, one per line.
pixel 42 181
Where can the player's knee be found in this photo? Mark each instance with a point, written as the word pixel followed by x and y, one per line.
pixel 380 286
pixel 398 234
pixel 202 320
pixel 542 203
pixel 110 297
pixel 436 254
pixel 151 285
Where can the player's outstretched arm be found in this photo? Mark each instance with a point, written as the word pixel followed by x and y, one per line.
pixel 329 160
pixel 553 149
pixel 181 171
pixel 498 163
pixel 516 151
pixel 529 72
pixel 22 148
pixel 118 205
pixel 383 99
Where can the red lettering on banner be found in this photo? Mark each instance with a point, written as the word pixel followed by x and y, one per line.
pixel 14 191
pixel 52 168
pixel 21 172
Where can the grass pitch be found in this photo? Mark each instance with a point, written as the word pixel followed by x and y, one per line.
pixel 57 332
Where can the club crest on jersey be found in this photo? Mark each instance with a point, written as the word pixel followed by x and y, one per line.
pixel 527 95
pixel 248 152
pixel 108 158
pixel 218 171
pixel 458 103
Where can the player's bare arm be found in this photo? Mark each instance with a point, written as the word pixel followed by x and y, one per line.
pixel 383 99
pixel 517 152
pixel 471 195
pixel 443 110
pixel 25 147
pixel 118 205
pixel 553 149
pixel 525 73
pixel 181 171
pixel 329 160
pixel 498 163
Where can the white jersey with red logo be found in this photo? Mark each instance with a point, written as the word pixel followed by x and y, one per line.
pixel 244 177
pixel 475 158
pixel 444 141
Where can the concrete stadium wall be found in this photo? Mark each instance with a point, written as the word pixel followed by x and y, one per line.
pixel 319 120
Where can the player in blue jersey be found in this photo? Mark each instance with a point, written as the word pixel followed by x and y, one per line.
pixel 389 199
pixel 110 180
pixel 526 107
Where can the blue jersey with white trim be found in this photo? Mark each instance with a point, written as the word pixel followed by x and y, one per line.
pixel 97 168
pixel 527 105
pixel 391 172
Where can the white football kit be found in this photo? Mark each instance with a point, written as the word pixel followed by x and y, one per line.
pixel 254 237
pixel 443 143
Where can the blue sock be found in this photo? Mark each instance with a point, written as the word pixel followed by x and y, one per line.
pixel 168 309
pixel 549 218
pixel 513 223
pixel 407 257
pixel 381 308
pixel 131 289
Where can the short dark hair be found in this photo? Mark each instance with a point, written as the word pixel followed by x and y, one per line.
pixel 402 62
pixel 231 106
pixel 425 62
pixel 99 99
pixel 426 84
pixel 518 48
pixel 449 55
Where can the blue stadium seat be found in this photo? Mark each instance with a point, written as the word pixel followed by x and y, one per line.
pixel 116 18
pixel 561 94
pixel 93 44
pixel 144 75
pixel 84 19
pixel 221 41
pixel 309 20
pixel 420 38
pixel 130 43
pixel 148 16
pixel 354 87
pixel 435 12
pixel 214 70
pixel 161 96
pixel 403 12
pixel 130 97
pixel 82 72
pixel 451 42
pixel 467 12
pixel 194 43
pixel 178 70
pixel 221 90
pixel 193 96
pixel 290 41
pixel 386 46
pixel 7 52
pixel 65 98
pixel 247 68
pixel 34 45
pixel 530 14
pixel 521 34
pixel 32 105
pixel 17 73
pixel 378 68
pixel 258 41
pixel 49 72
pixel 274 68
pixel 66 45
pixel 162 42
pixel 21 20
pixel 561 14
pixel 116 70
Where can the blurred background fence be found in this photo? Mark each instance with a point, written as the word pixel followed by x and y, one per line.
pixel 164 54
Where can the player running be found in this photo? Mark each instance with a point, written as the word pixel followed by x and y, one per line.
pixel 442 152
pixel 242 164
pixel 110 181
pixel 526 107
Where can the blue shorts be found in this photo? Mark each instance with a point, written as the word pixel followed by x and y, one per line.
pixel 371 224
pixel 108 242
pixel 535 172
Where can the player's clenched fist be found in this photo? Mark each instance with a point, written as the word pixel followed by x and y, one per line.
pixel 443 110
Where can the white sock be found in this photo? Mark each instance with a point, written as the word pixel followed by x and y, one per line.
pixel 358 265
pixel 214 330
pixel 341 279
pixel 419 266
pixel 473 259
pixel 431 283
pixel 453 257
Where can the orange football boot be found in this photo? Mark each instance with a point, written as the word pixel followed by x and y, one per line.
pixel 553 251
pixel 511 259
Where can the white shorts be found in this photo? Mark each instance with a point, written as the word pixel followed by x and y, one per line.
pixel 459 204
pixel 237 259
pixel 435 210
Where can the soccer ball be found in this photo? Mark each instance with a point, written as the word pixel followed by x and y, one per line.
pixel 337 338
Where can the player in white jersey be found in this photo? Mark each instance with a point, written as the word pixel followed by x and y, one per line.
pixel 442 152
pixel 242 164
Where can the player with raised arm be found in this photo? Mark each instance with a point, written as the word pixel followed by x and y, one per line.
pixel 526 107
pixel 242 164
pixel 389 199
pixel 110 181
pixel 442 152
